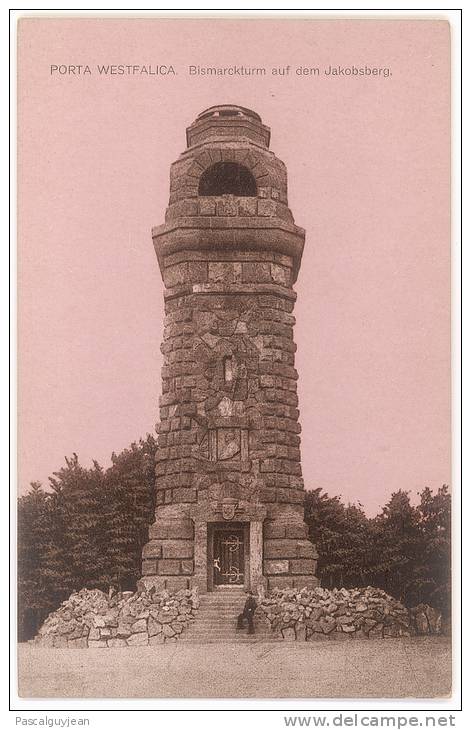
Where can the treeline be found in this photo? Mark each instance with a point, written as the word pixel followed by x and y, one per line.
pixel 87 530
pixel 89 527
pixel 405 550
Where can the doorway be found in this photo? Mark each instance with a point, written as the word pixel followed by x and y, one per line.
pixel 228 556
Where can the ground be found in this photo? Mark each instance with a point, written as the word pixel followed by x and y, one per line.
pixel 416 667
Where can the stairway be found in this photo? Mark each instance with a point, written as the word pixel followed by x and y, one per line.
pixel 216 621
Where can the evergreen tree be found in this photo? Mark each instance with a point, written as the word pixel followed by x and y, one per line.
pixel 34 598
pixel 400 569
pixel 129 507
pixel 344 538
pixel 435 525
pixel 405 550
pixel 76 557
pixel 87 531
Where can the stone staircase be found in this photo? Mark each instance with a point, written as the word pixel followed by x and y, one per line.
pixel 216 621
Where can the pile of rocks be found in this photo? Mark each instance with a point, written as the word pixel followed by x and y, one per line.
pixel 335 614
pixel 91 618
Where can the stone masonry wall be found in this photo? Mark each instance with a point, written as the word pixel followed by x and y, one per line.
pixel 229 432
pixel 228 412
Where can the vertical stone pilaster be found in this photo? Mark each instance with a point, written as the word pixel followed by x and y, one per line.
pixel 256 553
pixel 201 555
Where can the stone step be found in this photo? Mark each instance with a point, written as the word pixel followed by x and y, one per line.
pixel 216 621
pixel 222 607
pixel 228 630
pixel 248 640
pixel 211 639
pixel 211 608
pixel 205 598
pixel 221 602
pixel 225 637
pixel 245 638
pixel 217 616
pixel 226 634
pixel 210 626
pixel 225 608
pixel 226 624
pixel 204 621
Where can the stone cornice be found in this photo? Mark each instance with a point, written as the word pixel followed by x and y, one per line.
pixel 229 289
pixel 226 234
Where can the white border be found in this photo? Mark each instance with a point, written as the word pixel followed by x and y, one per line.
pixel 270 712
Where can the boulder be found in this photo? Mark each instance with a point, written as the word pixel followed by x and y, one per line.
pixel 157 639
pixel 141 639
pixel 139 626
pixel 328 624
pixel 376 632
pixel 154 627
pixel 123 630
pixel 100 644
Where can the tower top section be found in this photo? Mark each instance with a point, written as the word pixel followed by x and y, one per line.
pixel 228 122
pixel 228 191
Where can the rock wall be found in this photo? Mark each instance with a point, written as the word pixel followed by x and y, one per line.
pixel 92 619
pixel 308 615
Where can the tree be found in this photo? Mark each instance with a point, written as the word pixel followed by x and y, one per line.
pixel 87 531
pixel 130 507
pixel 343 537
pixel 435 524
pixel 400 569
pixel 76 558
pixel 405 550
pixel 34 599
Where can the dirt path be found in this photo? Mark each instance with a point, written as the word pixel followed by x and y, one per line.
pixel 419 667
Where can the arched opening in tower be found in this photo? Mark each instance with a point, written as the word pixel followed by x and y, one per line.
pixel 227 178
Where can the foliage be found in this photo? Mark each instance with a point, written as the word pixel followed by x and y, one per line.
pixel 86 532
pixel 405 550
pixel 129 509
pixel 344 540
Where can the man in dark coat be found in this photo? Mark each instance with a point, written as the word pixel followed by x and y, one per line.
pixel 248 613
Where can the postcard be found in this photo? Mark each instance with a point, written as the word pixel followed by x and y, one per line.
pixel 234 358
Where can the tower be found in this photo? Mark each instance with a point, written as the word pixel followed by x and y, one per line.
pixel 229 487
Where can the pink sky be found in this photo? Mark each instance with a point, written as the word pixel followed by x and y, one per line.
pixel 368 175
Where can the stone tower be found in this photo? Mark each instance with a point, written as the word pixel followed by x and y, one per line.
pixel 228 476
